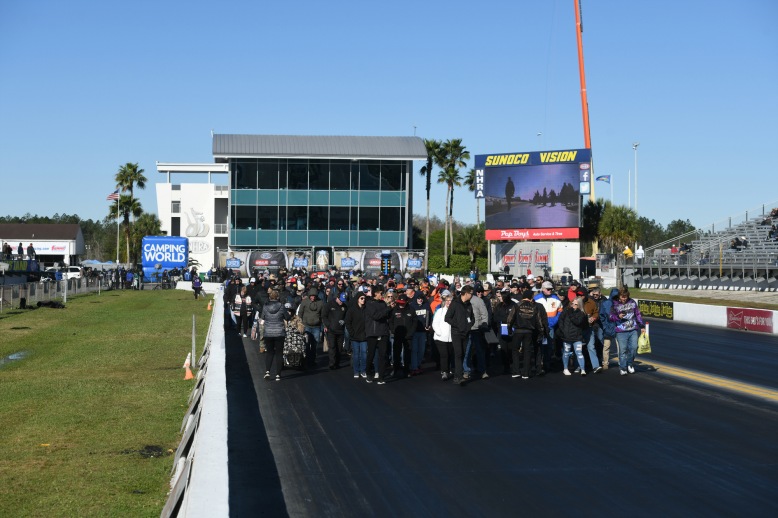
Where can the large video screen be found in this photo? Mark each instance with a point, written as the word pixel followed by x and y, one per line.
pixel 533 195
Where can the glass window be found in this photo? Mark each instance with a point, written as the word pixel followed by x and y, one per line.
pixel 245 176
pixel 175 207
pixel 319 174
pixel 318 218
pixel 340 218
pixel 340 175
pixel 282 173
pixel 390 218
pixel 268 174
pixel 369 175
pixel 391 176
pixel 244 217
pixel 298 174
pixel 368 218
pixel 268 218
pixel 296 217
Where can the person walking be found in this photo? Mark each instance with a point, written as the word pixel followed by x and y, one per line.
pixel 625 313
pixel 31 252
pixel 241 308
pixel 355 325
pixel 274 318
pixel 571 324
pixel 310 312
pixel 442 335
pixel 525 320
pixel 460 318
pixel 608 327
pixel 377 314
pixel 335 327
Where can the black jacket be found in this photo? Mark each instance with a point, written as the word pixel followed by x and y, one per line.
pixel 460 316
pixel 402 322
pixel 376 318
pixel 571 325
pixel 334 318
pixel 355 323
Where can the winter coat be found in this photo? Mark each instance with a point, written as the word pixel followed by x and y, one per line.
pixel 335 317
pixel 275 316
pixel 311 312
pixel 460 316
pixel 633 319
pixel 355 323
pixel 423 315
pixel 441 328
pixel 480 314
pixel 402 322
pixel 608 326
pixel 571 325
pixel 376 318
pixel 241 305
pixel 552 305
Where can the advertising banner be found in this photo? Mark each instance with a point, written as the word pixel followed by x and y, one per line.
pixel 521 259
pixel 656 309
pixel 262 260
pixel 345 260
pixel 161 253
pixel 371 260
pixel 300 259
pixel 533 195
pixel 750 319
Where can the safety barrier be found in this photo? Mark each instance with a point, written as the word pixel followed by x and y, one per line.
pixel 12 295
pixel 746 319
pixel 199 477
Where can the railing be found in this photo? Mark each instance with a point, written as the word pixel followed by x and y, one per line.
pixel 11 295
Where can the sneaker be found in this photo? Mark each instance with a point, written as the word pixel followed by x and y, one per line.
pixel 583 373
pixel 278 377
pixel 525 377
pixel 466 376
pixel 376 376
pixel 623 373
pixel 444 376
pixel 598 370
pixel 631 369
pixel 356 376
pixel 457 381
pixel 381 382
pixel 605 367
pixel 484 376
pixel 362 375
pixel 567 372
pixel 267 374
pixel 369 380
pixel 515 375
pixel 244 335
pixel 578 370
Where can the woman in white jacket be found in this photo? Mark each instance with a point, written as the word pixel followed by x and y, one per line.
pixel 442 335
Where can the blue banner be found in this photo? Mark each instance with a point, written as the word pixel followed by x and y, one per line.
pixel 162 253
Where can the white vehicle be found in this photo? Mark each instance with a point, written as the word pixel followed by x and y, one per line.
pixel 68 272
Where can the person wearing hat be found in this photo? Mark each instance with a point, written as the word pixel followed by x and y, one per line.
pixel 334 319
pixel 419 334
pixel 594 332
pixel 377 314
pixel 525 320
pixel 310 311
pixel 553 306
pixel 460 317
pixel 475 340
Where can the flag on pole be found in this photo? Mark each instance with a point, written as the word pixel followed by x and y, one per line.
pixel 604 178
pixel 113 196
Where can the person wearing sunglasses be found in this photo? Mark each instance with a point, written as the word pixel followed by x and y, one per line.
pixel 571 326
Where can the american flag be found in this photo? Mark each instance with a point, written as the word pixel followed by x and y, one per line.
pixel 113 196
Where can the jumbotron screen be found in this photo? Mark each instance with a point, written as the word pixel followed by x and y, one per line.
pixel 533 195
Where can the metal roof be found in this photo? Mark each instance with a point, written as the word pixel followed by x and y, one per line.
pixel 289 146
pixel 44 231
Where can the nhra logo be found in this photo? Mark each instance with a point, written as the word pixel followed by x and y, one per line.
pixel 584 166
pixel 266 255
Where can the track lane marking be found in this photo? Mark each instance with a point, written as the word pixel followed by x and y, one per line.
pixel 716 381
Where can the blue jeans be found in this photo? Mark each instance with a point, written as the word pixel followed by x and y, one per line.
pixel 474 345
pixel 359 356
pixel 568 352
pixel 418 346
pixel 628 346
pixel 589 337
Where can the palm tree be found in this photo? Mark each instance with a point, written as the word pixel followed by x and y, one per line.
pixel 127 178
pixel 472 238
pixel 470 181
pixel 592 214
pixel 127 207
pixel 433 150
pixel 618 226
pixel 451 159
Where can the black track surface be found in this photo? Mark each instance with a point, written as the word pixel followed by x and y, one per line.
pixel 321 443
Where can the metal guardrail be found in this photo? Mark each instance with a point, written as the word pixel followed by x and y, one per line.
pixel 11 295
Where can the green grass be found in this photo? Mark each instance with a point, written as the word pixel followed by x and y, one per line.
pixel 102 380
pixel 731 299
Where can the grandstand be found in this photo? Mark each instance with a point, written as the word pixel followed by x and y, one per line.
pixel 739 256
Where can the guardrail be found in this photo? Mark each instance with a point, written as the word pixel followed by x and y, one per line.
pixel 12 295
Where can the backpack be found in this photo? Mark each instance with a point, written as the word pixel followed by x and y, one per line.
pixel 525 316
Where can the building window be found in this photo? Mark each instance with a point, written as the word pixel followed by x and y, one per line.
pixel 268 218
pixel 391 218
pixel 340 218
pixel 368 218
pixel 319 175
pixel 391 176
pixel 267 171
pixel 175 226
pixel 298 174
pixel 369 175
pixel 245 174
pixel 245 217
pixel 340 174
pixel 175 207
pixel 296 218
pixel 318 218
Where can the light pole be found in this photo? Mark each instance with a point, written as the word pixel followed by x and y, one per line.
pixel 635 148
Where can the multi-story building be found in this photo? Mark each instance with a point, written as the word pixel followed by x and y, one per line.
pixel 294 193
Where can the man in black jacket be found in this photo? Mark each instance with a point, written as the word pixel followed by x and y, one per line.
pixel 460 317
pixel 377 332
pixel 334 320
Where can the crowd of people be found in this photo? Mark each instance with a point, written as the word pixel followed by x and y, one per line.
pixel 393 327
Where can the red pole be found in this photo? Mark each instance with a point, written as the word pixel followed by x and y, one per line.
pixel 584 101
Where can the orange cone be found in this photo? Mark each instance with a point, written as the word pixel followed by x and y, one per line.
pixel 187 366
pixel 210 305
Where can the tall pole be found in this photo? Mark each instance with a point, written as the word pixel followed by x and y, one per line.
pixel 584 101
pixel 117 232
pixel 629 189
pixel 635 148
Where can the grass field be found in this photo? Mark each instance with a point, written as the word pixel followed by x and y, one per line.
pixel 90 415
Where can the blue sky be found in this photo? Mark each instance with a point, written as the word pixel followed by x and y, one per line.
pixel 87 86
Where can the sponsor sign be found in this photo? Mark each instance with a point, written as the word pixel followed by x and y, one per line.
pixel 167 252
pixel 520 234
pixel 760 320
pixel 656 309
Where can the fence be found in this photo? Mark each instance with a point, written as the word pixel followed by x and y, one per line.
pixel 11 295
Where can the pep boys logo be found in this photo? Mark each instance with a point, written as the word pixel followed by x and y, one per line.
pixel 541 258
pixel 524 259
pixel 509 259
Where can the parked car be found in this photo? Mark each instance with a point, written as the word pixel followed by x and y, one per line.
pixel 69 272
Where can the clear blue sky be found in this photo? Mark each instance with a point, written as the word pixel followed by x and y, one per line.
pixel 89 85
